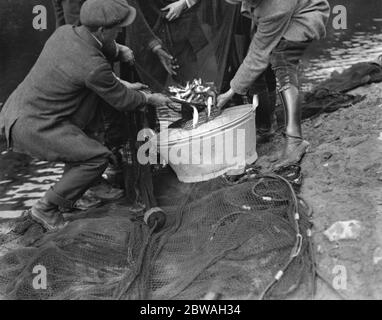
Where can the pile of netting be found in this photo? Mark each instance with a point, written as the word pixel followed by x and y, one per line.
pixel 223 240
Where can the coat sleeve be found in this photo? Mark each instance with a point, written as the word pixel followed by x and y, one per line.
pixel 271 27
pixel 59 13
pixel 142 29
pixel 191 3
pixel 72 10
pixel 105 84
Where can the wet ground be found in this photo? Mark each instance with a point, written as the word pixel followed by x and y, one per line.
pixel 22 181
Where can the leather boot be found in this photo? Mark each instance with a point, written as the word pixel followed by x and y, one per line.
pixel 48 215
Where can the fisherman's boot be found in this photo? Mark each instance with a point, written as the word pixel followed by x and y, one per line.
pixel 295 146
pixel 48 215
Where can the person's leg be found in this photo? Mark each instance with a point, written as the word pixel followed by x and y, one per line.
pixel 86 159
pixel 76 181
pixel 285 61
pixel 73 184
pixel 263 88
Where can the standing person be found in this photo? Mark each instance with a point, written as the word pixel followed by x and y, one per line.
pixel 177 25
pixel 51 112
pixel 284 31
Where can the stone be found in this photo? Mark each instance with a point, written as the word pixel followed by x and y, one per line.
pixel 351 142
pixel 318 123
pixel 326 156
pixel 344 230
pixel 377 257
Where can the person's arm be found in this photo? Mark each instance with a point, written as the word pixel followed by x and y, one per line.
pixel 72 9
pixel 271 28
pixel 175 9
pixel 59 13
pixel 149 41
pixel 106 85
pixel 191 3
pixel 142 28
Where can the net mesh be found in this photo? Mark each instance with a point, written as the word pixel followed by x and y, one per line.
pixel 222 239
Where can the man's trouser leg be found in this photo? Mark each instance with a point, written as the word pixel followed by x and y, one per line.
pixel 86 157
pixel 76 180
pixel 265 88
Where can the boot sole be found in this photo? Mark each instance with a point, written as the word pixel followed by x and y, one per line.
pixel 301 150
pixel 45 224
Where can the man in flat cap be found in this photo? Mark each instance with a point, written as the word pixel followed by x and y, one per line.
pixel 68 12
pixel 284 31
pixel 50 111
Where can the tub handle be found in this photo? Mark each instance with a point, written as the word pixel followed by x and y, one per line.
pixel 255 102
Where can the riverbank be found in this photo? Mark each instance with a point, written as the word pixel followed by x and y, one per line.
pixel 342 182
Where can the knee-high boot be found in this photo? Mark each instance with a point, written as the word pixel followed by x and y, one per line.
pixel 295 147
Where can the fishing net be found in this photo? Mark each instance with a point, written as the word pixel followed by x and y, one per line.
pixel 222 239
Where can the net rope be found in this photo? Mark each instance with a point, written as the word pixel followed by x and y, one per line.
pixel 248 240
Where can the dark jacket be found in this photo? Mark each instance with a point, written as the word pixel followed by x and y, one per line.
pixel 66 84
pixel 294 20
pixel 68 12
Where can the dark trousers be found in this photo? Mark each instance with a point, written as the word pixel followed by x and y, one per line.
pixel 265 88
pixel 285 61
pixel 85 158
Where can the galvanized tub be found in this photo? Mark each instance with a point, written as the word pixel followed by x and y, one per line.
pixel 224 145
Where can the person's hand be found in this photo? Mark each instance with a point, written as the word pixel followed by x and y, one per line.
pixel 224 98
pixel 135 85
pixel 166 60
pixel 126 54
pixel 158 99
pixel 175 9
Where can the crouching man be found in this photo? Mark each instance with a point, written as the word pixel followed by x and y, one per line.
pixel 285 28
pixel 50 111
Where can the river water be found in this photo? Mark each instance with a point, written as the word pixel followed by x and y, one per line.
pixel 361 41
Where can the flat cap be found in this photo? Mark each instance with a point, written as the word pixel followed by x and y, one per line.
pixel 107 13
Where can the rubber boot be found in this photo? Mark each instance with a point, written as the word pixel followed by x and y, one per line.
pixel 295 146
pixel 48 215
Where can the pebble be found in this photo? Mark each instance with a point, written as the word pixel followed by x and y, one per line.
pixel 326 156
pixel 351 142
pixel 317 124
pixel 344 230
pixel 357 267
pixel 377 257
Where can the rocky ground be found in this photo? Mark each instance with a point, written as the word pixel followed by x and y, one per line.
pixel 342 182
